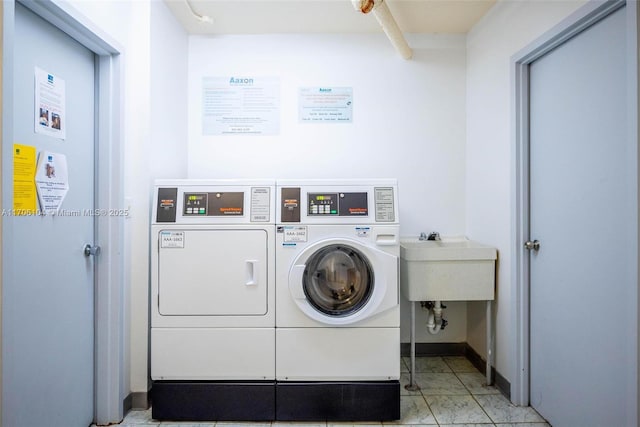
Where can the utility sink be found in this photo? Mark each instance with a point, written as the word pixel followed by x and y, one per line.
pixel 451 269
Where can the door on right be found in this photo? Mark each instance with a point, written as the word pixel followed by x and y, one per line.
pixel 582 213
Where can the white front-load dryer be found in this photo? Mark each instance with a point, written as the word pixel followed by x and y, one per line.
pixel 337 298
pixel 212 300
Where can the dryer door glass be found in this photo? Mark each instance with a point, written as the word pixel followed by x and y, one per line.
pixel 338 280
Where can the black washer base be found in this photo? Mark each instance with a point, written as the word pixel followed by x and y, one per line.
pixel 213 401
pixel 338 401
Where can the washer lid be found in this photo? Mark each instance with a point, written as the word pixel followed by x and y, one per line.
pixel 338 280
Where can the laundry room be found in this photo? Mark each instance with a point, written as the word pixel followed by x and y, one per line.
pixel 437 127
pixel 407 123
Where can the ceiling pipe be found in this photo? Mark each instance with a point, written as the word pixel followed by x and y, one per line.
pixel 202 18
pixel 385 19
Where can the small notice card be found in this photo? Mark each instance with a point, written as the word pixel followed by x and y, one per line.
pixel 24 185
pixel 52 181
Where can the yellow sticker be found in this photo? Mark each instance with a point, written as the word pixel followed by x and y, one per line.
pixel 24 183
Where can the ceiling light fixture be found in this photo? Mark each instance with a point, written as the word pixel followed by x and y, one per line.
pixel 202 18
pixel 388 23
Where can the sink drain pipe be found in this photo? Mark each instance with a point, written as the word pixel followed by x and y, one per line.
pixel 435 322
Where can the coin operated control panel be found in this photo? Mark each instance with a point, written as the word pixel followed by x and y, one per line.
pixel 253 204
pixel 296 205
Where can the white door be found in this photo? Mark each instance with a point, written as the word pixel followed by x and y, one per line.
pixel 581 213
pixel 48 287
pixel 213 273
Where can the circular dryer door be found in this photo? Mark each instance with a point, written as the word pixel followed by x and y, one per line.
pixel 340 282
pixel 337 280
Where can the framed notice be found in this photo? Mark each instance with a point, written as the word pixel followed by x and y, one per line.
pixel 246 105
pixel 50 112
pixel 325 105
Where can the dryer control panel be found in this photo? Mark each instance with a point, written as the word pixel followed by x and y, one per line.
pixel 213 202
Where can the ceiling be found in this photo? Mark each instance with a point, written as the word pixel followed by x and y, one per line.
pixel 324 16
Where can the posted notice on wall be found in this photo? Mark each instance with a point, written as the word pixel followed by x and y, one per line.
pixel 24 184
pixel 52 181
pixel 50 113
pixel 240 105
pixel 325 105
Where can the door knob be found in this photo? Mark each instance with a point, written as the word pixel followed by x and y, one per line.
pixel 529 245
pixel 91 250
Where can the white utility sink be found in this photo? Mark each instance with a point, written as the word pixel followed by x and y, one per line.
pixel 451 269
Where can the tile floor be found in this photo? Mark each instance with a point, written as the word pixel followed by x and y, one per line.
pixel 452 393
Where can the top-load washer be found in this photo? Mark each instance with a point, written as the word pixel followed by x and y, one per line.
pixel 212 300
pixel 337 298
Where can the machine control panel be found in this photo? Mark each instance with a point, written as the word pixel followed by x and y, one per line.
pixel 213 204
pixel 375 203
pixel 338 204
pixel 195 204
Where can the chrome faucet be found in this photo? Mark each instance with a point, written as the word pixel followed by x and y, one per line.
pixel 434 235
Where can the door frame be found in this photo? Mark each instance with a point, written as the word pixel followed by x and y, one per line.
pixel 583 18
pixel 109 332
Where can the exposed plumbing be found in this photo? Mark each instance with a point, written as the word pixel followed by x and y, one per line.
pixel 435 322
pixel 387 22
pixel 202 18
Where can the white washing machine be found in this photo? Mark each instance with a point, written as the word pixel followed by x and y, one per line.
pixel 212 300
pixel 337 298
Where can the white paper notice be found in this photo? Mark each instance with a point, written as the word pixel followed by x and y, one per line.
pixel 52 181
pixel 325 105
pixel 240 105
pixel 50 113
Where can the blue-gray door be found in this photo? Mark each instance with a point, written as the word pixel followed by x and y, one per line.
pixel 582 214
pixel 48 286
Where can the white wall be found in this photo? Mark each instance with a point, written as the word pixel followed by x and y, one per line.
pixel 169 61
pixel 166 157
pixel 508 27
pixel 408 123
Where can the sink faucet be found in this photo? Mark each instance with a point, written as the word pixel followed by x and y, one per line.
pixel 434 235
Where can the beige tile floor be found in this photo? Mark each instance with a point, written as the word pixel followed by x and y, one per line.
pixel 452 393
